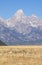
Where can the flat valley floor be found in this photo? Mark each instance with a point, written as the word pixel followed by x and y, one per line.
pixel 20 55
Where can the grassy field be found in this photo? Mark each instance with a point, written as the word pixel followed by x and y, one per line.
pixel 20 55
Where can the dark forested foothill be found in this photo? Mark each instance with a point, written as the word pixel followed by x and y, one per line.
pixel 2 43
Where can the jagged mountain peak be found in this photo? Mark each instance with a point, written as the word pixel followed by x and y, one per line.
pixel 19 12
pixel 33 16
pixel 18 16
pixel 21 29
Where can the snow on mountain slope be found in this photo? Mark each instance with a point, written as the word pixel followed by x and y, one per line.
pixel 16 18
pixel 21 29
pixel 20 17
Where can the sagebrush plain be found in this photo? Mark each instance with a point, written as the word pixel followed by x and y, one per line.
pixel 20 55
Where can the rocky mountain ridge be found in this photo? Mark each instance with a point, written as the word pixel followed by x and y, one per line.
pixel 21 29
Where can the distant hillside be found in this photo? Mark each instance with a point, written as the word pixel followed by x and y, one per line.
pixel 2 44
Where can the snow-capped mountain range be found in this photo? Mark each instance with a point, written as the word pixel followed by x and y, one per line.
pixel 21 29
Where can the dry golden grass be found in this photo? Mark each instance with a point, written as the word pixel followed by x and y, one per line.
pixel 20 55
